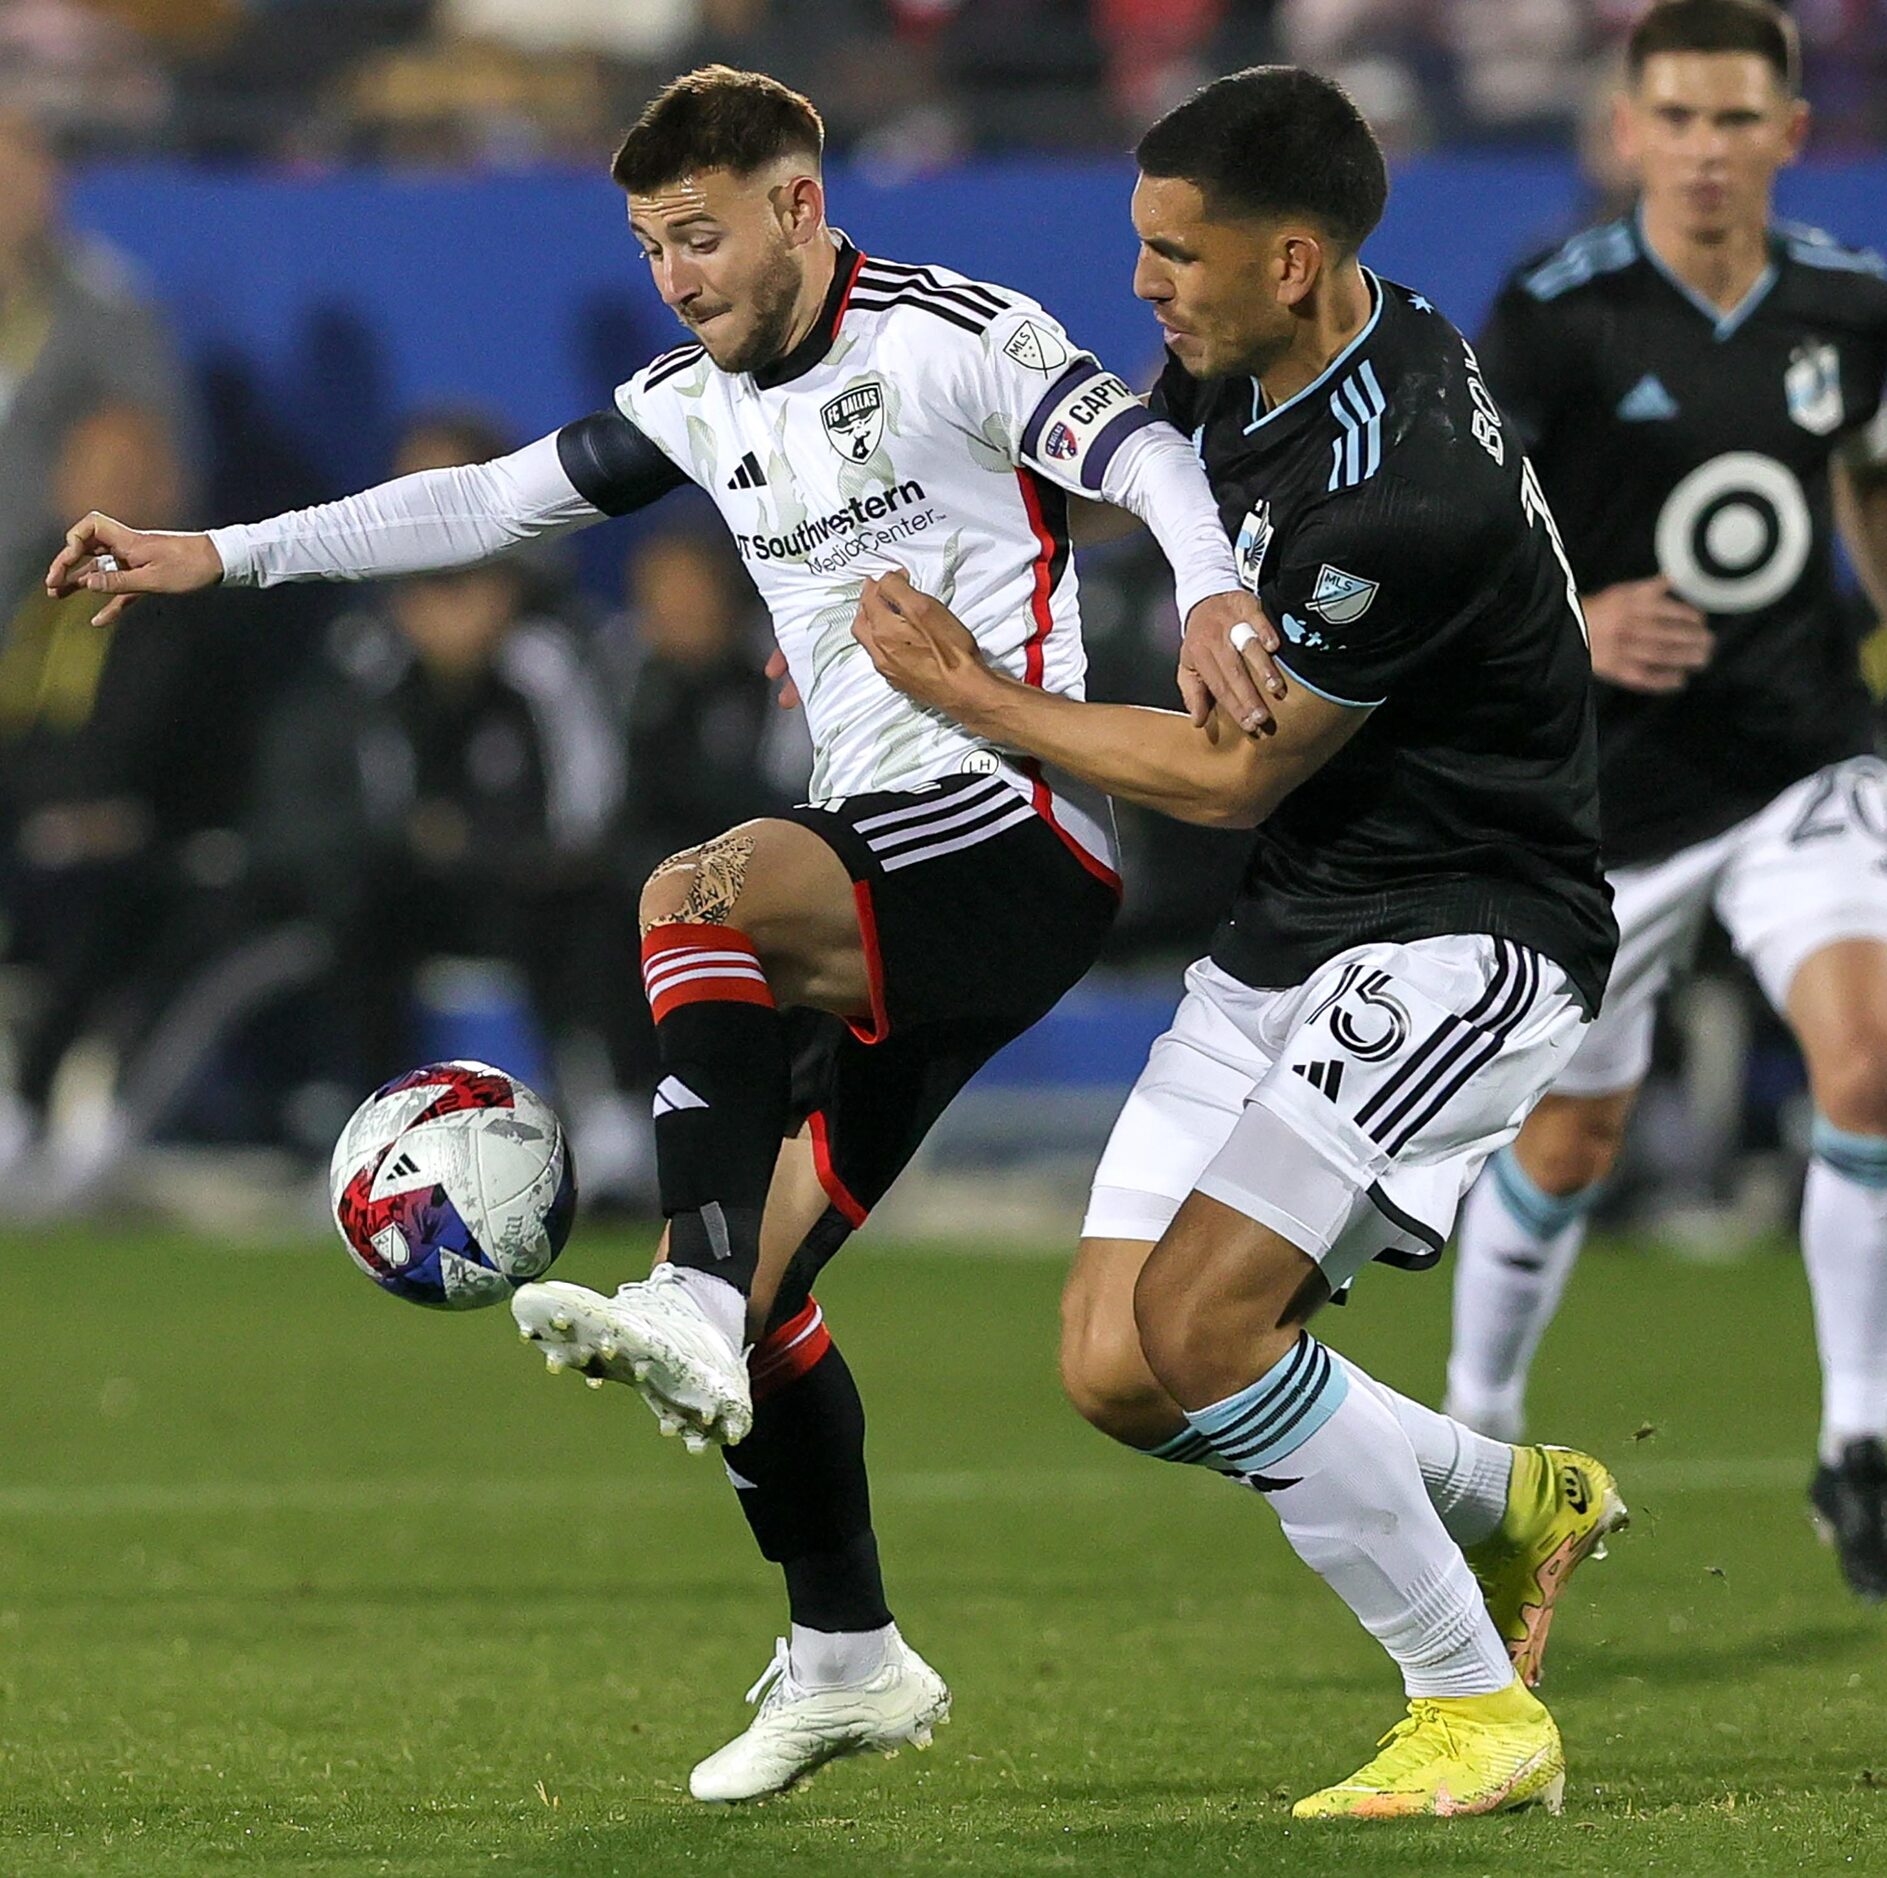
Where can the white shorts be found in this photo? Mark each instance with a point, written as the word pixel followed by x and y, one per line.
pixel 1807 871
pixel 1349 1113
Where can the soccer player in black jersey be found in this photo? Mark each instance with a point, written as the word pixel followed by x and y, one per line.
pixel 1421 937
pixel 1694 384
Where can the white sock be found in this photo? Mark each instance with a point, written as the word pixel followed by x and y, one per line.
pixel 1844 1246
pixel 725 1306
pixel 1350 1498
pixel 1466 1474
pixel 838 1659
pixel 1515 1250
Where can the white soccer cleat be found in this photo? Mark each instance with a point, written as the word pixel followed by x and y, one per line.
pixel 798 1730
pixel 655 1337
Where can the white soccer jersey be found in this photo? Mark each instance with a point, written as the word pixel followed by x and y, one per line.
pixel 927 422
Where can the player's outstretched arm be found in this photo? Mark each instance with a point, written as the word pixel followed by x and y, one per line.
pixel 421 524
pixel 1213 774
pixel 104 557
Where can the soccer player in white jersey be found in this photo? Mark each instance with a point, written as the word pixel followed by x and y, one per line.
pixel 830 978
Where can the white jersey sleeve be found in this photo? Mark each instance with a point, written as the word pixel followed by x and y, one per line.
pixel 417 524
pixel 1073 421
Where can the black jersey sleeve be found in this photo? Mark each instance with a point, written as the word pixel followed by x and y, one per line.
pixel 1364 584
pixel 1523 364
pixel 613 465
pixel 1175 397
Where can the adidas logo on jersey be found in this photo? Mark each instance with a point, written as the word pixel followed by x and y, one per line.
pixel 672 1094
pixel 1647 402
pixel 750 475
pixel 1325 1078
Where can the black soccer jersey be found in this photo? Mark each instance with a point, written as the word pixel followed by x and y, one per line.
pixel 1672 437
pixel 1388 523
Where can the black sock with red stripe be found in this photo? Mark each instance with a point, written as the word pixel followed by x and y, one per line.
pixel 801 1477
pixel 721 1105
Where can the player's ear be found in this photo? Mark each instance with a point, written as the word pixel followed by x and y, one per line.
pixel 1796 136
pixel 1298 265
pixel 800 203
pixel 1625 128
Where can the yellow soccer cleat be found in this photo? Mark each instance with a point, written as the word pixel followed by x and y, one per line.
pixel 1561 1504
pixel 1453 1756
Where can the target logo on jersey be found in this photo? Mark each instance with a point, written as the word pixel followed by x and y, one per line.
pixel 452 1185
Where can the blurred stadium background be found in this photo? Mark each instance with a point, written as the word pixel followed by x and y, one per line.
pixel 258 851
pixel 285 1569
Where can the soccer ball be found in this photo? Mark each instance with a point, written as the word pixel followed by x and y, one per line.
pixel 453 1185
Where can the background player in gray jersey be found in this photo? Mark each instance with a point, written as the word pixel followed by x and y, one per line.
pixel 1695 384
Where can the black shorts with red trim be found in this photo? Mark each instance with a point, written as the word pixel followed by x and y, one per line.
pixel 977 916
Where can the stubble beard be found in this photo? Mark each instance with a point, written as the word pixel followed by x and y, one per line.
pixel 775 296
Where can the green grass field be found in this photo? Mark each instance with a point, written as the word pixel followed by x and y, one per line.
pixel 294 1578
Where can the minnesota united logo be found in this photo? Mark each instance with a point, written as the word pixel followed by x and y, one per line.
pixel 1812 385
pixel 1339 597
pixel 855 420
pixel 1254 538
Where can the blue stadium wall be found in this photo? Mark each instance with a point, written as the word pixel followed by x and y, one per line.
pixel 343 301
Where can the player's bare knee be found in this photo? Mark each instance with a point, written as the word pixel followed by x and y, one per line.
pixel 1571 1143
pixel 1105 1376
pixel 1850 1081
pixel 665 893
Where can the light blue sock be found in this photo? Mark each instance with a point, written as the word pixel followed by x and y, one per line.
pixel 1189 1448
pixel 1541 1213
pixel 1862 1158
pixel 1274 1416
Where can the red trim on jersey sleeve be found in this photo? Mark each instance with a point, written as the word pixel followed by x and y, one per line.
pixel 1042 576
pixel 880 1026
pixel 1051 556
pixel 850 1210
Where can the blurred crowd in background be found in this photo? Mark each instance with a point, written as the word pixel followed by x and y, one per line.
pixel 909 83
pixel 259 851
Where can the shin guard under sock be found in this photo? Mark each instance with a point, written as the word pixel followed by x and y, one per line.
pixel 801 1478
pixel 721 1106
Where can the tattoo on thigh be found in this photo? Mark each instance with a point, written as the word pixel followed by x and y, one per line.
pixel 675 864
pixel 720 869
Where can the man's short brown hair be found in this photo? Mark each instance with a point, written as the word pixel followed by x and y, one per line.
pixel 716 119
pixel 1718 26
